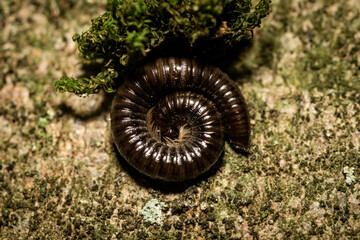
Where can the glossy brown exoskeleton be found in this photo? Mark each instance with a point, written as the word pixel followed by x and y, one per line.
pixel 170 118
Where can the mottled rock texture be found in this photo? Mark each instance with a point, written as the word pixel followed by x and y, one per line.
pixel 60 176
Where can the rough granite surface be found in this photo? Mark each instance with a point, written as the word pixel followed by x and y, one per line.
pixel 61 178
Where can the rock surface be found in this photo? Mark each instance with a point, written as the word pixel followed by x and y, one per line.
pixel 60 176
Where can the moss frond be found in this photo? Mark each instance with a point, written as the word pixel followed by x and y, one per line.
pixel 85 86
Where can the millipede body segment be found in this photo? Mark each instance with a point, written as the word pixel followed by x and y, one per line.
pixel 170 118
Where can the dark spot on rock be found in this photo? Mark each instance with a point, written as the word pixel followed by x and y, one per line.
pixel 142 235
pixel 68 200
pixel 51 206
pixel 129 226
pixel 67 230
pixel 178 209
pixel 119 235
pixel 178 225
pixel 190 221
pixel 71 213
pixel 94 188
pixel 211 217
pixel 10 167
pixel 13 219
pixel 166 226
pixel 178 235
pixel 147 224
pixel 77 222
pixel 212 198
pixel 34 222
pixel 229 224
pixel 108 196
pixel 203 222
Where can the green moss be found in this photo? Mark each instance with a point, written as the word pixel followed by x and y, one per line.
pixel 132 30
pixel 85 86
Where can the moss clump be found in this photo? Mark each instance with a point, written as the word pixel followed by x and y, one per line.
pixel 132 30
pixel 82 87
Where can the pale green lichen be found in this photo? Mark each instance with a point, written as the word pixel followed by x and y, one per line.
pixel 349 175
pixel 152 211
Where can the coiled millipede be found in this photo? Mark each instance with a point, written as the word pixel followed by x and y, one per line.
pixel 170 118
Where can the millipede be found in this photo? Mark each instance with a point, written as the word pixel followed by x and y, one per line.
pixel 170 118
